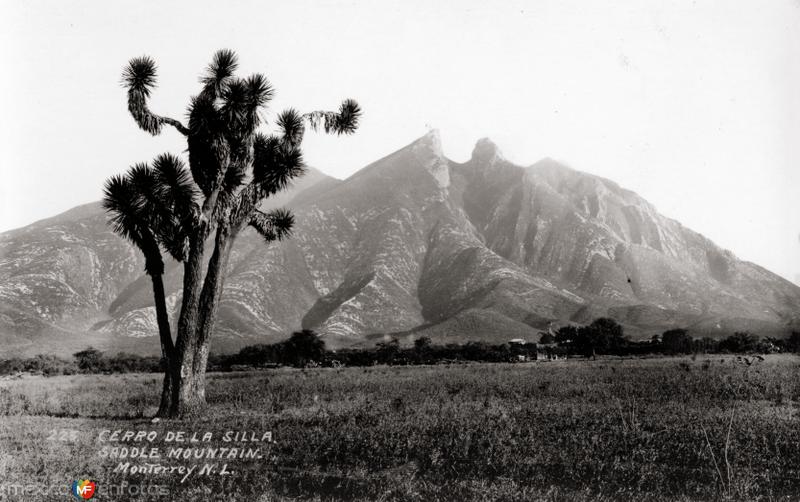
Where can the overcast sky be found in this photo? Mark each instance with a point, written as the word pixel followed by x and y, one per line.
pixel 692 104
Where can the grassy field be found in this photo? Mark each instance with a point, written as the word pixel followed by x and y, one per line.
pixel 709 428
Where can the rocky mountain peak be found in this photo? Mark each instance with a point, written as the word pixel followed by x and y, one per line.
pixel 429 145
pixel 428 150
pixel 486 151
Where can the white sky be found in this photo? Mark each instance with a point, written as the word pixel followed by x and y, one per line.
pixel 695 105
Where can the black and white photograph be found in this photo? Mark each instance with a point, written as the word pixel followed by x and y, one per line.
pixel 385 250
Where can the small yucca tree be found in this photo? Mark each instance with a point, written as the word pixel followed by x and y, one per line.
pixel 165 208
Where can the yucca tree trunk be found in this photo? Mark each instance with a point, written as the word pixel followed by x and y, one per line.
pixel 184 401
pixel 166 393
pixel 189 393
pixel 167 348
pixel 209 305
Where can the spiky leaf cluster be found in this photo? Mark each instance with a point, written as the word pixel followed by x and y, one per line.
pixel 232 166
pixel 151 206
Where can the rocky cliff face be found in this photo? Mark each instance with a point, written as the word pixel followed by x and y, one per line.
pixel 413 244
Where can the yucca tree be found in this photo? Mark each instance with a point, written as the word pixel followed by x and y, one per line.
pixel 184 213
pixel 143 206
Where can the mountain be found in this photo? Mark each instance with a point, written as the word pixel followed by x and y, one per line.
pixel 412 245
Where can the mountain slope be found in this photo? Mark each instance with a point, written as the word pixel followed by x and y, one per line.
pixel 413 244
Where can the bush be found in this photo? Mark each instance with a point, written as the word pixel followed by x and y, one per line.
pixel 677 341
pixel 603 336
pixel 89 360
pixel 303 347
pixel 740 342
pixel 793 343
pixel 41 364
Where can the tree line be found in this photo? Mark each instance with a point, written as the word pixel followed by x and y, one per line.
pixel 605 336
pixel 307 349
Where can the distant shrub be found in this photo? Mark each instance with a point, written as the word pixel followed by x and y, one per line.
pixel 302 348
pixel 603 336
pixel 89 360
pixel 41 364
pixel 422 344
pixel 677 341
pixel 740 342
pixel 793 343
pixel 258 355
pixel 131 363
pixel 547 339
